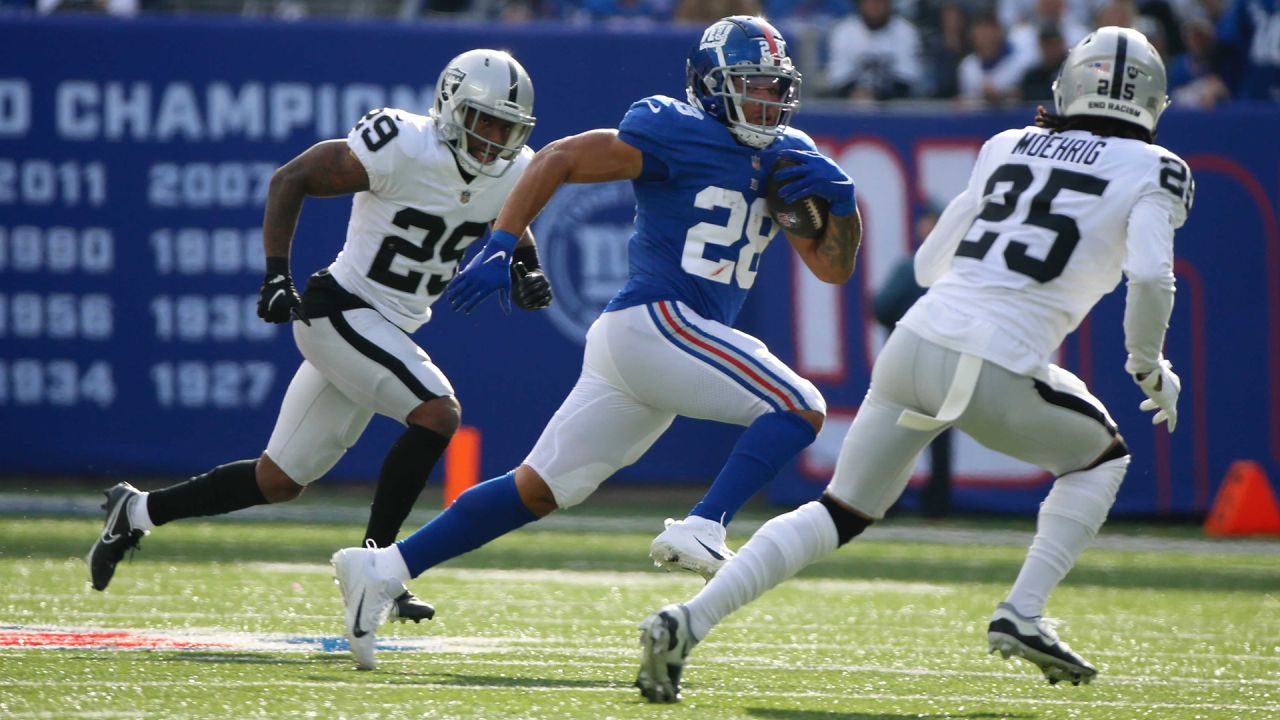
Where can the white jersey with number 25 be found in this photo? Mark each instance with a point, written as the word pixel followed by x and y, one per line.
pixel 1043 230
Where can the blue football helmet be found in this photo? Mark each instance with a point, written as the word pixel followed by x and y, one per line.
pixel 737 54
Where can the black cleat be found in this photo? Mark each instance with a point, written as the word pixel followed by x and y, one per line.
pixel 411 607
pixel 118 536
pixel 1035 640
pixel 665 642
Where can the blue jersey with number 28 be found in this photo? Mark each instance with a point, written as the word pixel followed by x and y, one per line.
pixel 701 225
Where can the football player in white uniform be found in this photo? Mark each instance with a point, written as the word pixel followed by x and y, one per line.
pixel 425 188
pixel 1052 215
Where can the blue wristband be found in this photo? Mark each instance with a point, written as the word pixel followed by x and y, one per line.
pixel 502 240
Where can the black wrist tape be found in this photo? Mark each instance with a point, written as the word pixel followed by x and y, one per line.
pixel 527 255
pixel 278 266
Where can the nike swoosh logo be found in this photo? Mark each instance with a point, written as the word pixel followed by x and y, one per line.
pixel 109 537
pixel 275 279
pixel 711 552
pixel 274 297
pixel 653 106
pixel 355 628
pixel 500 255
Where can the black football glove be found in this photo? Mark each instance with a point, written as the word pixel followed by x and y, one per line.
pixel 530 288
pixel 278 300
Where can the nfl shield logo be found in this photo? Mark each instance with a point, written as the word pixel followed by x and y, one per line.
pixel 465 197
pixel 755 162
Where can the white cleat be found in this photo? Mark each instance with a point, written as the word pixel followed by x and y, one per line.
pixel 695 544
pixel 1035 640
pixel 665 642
pixel 369 591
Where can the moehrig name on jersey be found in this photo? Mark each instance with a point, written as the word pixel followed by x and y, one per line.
pixel 1060 147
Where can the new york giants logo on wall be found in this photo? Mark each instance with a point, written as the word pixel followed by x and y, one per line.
pixel 587 255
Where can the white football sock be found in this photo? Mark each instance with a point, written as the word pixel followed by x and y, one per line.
pixel 394 562
pixel 139 518
pixel 1069 519
pixel 778 550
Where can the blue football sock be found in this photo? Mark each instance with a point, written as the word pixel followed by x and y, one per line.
pixel 487 511
pixel 769 443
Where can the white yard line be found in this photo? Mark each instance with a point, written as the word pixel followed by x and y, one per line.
pixel 613 656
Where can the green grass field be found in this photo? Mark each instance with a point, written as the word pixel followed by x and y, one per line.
pixel 541 624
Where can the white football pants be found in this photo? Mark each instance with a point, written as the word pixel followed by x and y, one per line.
pixel 642 367
pixel 1056 425
pixel 355 363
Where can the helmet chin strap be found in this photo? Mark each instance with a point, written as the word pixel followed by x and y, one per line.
pixel 745 132
pixel 751 138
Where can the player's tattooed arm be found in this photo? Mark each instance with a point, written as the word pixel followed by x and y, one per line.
pixel 326 169
pixel 831 258
pixel 839 245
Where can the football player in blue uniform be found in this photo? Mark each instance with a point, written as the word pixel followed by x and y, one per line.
pixel 665 345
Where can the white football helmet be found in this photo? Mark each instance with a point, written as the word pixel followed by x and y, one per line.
pixel 488 82
pixel 1116 73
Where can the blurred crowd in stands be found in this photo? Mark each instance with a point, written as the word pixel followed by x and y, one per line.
pixel 978 53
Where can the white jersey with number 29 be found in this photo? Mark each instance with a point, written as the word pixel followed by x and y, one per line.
pixel 410 229
pixel 1043 230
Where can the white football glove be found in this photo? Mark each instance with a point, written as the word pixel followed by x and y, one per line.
pixel 1161 387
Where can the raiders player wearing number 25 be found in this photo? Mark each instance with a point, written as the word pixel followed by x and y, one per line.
pixel 1053 215
pixel 425 188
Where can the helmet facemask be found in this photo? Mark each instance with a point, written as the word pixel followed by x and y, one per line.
pixel 477 154
pixel 758 99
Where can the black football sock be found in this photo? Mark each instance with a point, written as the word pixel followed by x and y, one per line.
pixel 404 474
pixel 221 490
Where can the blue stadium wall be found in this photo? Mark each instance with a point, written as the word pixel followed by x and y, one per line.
pixel 134 158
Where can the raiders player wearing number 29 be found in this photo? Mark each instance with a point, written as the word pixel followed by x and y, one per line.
pixel 425 187
pixel 1053 215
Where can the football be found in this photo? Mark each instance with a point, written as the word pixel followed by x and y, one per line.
pixel 806 217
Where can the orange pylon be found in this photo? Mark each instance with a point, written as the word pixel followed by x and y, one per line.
pixel 461 463
pixel 1245 504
